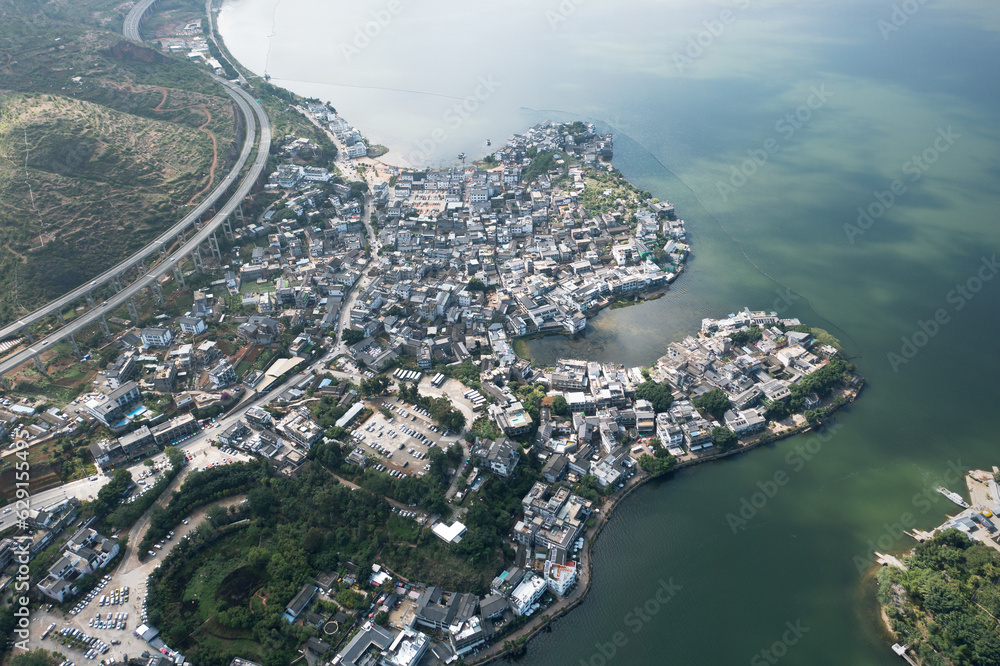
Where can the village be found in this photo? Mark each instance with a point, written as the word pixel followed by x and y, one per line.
pixel 380 316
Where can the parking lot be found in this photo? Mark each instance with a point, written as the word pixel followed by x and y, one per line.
pixel 399 445
pixel 88 615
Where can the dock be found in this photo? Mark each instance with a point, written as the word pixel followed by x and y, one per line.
pixel 889 560
pixel 901 651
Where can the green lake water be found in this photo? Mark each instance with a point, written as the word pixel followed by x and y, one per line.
pixel 829 106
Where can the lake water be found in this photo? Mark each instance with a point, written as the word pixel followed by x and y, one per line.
pixel 768 125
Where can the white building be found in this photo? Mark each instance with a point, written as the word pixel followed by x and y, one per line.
pixel 527 593
pixel 560 577
pixel 192 325
pixel 357 150
pixel 156 337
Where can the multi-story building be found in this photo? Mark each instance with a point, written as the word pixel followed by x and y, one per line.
pixel 156 337
pixel 110 411
pixel 222 374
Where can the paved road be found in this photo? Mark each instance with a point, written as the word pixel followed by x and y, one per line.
pixel 245 103
pixel 200 445
pixel 134 19
pixel 249 107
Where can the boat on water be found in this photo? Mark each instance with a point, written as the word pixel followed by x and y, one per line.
pixel 954 497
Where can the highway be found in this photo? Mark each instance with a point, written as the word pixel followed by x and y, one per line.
pixel 254 115
pixel 246 103
pixel 131 31
pixel 134 19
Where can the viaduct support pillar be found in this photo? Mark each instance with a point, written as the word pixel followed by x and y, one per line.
pixel 132 310
pixel 76 348
pixel 90 299
pixel 197 260
pixel 157 292
pixel 179 273
pixel 104 326
pixel 38 363
pixel 213 244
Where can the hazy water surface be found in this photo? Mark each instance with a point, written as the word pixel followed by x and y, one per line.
pixel 830 107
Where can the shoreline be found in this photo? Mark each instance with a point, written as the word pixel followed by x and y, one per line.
pixel 511 644
pixel 531 629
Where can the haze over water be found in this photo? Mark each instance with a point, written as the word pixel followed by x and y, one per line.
pixel 824 107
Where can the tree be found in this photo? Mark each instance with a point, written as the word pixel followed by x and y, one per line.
pixel 740 338
pixel 724 438
pixel 776 410
pixel 262 501
pixel 358 189
pixel 378 385
pixel 351 336
pixel 559 406
pixel 348 598
pixel 715 402
pixel 656 466
pixel 111 494
pixel 36 658
pixel 659 395
pixel 475 284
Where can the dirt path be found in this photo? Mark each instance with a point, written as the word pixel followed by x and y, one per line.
pixel 201 128
pixel 215 153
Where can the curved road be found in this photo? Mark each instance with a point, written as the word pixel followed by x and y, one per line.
pixel 244 102
pixel 134 19
pixel 253 114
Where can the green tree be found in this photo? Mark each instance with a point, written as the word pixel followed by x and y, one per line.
pixel 475 284
pixel 262 501
pixel 36 658
pixel 741 338
pixel 656 466
pixel 656 393
pixel 352 336
pixel 724 438
pixel 776 410
pixel 348 598
pixel 559 406
pixel 715 402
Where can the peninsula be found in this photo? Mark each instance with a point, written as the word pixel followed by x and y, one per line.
pixel 317 437
pixel 939 602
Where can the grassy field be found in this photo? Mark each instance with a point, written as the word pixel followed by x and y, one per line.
pixel 103 143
